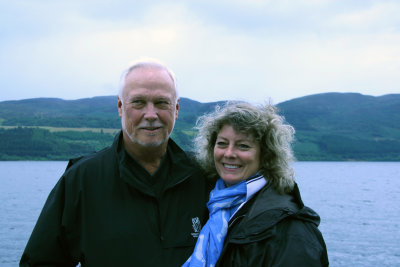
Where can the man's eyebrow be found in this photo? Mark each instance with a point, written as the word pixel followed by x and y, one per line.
pixel 163 98
pixel 136 97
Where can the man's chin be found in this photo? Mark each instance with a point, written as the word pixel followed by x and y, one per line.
pixel 152 143
pixel 147 141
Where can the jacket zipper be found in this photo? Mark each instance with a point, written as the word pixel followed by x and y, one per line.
pixel 235 219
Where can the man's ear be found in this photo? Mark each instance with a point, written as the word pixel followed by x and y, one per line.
pixel 119 104
pixel 177 108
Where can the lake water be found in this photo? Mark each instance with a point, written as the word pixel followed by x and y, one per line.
pixel 359 204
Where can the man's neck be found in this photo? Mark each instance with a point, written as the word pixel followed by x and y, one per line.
pixel 149 157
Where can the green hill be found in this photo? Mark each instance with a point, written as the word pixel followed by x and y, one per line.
pixel 332 126
pixel 96 112
pixel 350 126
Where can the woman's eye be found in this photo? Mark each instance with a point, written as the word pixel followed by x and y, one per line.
pixel 244 146
pixel 220 144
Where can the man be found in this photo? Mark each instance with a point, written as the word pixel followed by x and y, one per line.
pixel 140 202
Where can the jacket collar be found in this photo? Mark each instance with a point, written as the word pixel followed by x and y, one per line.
pixel 181 166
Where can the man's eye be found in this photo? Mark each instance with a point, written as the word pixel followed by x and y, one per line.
pixel 137 103
pixel 162 104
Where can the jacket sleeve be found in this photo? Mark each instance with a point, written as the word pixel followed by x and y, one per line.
pixel 47 244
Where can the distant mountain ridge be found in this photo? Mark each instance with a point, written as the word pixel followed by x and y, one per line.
pixel 349 111
pixel 329 126
pixel 345 126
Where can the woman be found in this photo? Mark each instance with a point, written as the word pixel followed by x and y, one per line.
pixel 257 217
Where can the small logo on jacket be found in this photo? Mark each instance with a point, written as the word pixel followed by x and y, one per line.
pixel 196 225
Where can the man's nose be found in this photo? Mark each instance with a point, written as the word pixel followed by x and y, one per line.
pixel 150 112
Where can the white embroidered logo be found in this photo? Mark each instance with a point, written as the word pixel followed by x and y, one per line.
pixel 196 227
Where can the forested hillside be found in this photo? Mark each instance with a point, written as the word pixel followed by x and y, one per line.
pixel 332 126
pixel 351 126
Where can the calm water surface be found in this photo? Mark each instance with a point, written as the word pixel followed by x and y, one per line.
pixel 359 204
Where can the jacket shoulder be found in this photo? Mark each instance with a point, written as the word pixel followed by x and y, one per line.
pixel 94 157
pixel 275 230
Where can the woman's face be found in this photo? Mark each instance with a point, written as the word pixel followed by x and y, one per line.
pixel 236 155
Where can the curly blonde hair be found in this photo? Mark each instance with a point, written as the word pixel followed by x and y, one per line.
pixel 264 123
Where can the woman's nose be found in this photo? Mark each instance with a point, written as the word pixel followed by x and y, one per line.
pixel 230 152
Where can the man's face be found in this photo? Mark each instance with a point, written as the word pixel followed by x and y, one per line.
pixel 149 108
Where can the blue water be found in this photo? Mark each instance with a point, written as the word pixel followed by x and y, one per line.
pixel 359 203
pixel 359 206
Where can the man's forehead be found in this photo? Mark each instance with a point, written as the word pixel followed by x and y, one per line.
pixel 149 81
pixel 156 94
pixel 149 94
pixel 158 79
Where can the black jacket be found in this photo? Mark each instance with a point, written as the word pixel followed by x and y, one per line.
pixel 100 214
pixel 274 230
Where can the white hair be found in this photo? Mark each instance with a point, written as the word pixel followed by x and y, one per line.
pixel 145 64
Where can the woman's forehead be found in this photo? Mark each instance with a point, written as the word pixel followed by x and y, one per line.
pixel 232 131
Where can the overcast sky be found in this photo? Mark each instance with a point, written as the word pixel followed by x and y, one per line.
pixel 219 49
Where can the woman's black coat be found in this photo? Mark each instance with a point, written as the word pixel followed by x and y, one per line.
pixel 274 230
